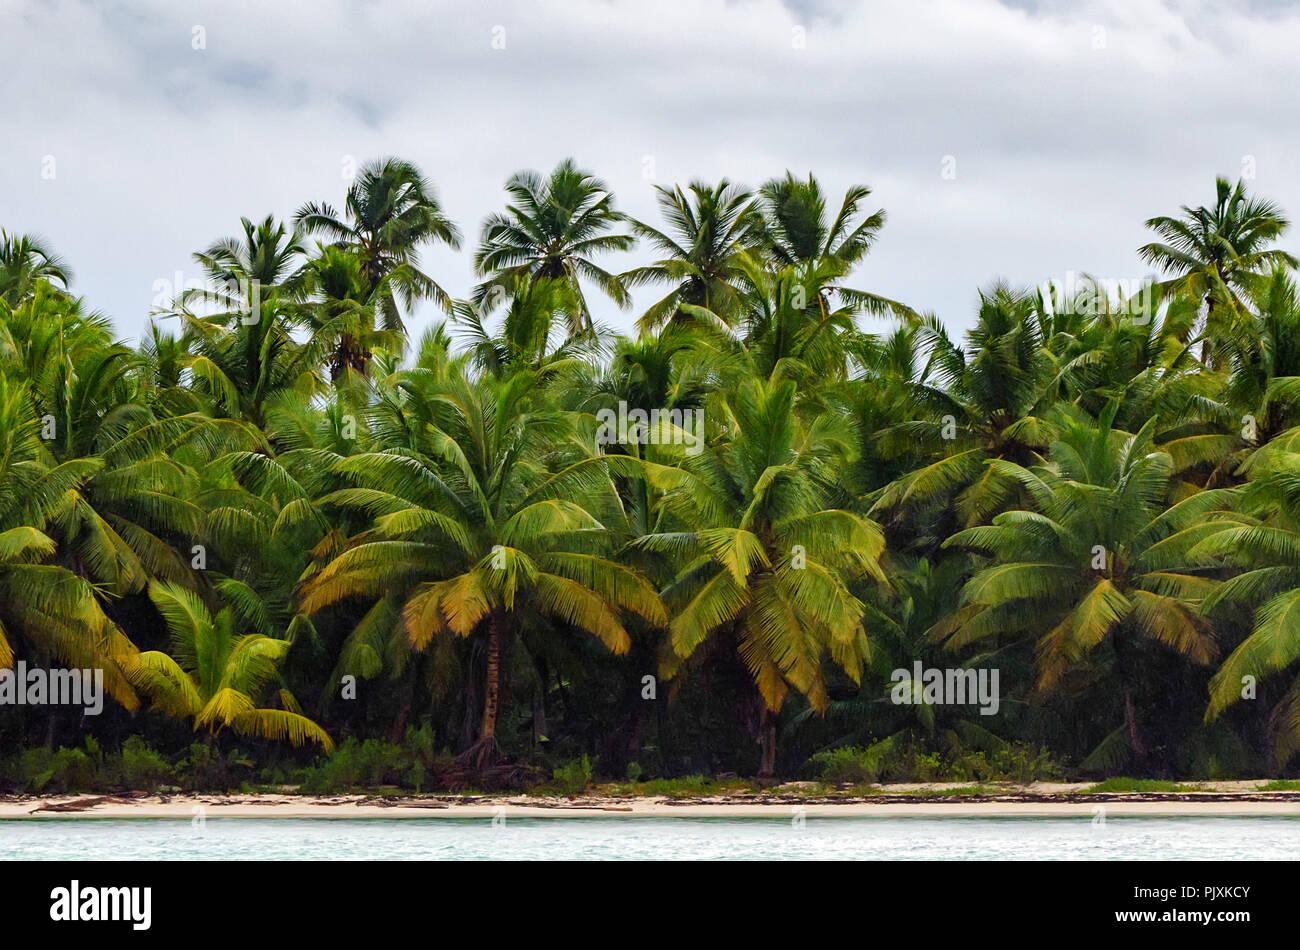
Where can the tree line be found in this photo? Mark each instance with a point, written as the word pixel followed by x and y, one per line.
pixel 277 520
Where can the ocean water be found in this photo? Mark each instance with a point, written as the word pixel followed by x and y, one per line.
pixel 627 838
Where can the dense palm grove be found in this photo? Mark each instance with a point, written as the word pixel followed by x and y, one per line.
pixel 277 522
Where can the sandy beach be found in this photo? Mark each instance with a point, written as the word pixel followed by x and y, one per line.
pixel 1044 799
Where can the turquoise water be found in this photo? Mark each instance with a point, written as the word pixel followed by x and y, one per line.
pixel 324 839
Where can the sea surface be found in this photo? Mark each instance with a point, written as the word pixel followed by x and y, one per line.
pixel 653 838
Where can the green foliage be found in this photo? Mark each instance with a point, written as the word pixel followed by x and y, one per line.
pixel 1019 763
pixel 274 530
pixel 372 763
pixel 851 765
pixel 1280 785
pixel 574 777
pixel 58 770
pixel 207 768
pixel 1118 784
pixel 86 768
pixel 143 767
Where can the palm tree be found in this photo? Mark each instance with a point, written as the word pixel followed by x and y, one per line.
pixel 1261 547
pixel 1262 357
pixel 391 211
pixel 344 314
pixel 765 565
pixel 987 401
pixel 475 533
pixel 707 230
pixel 553 228
pixel 1098 558
pixel 214 675
pixel 238 346
pixel 919 595
pixel 47 612
pixel 1216 254
pixel 126 518
pixel 542 329
pixel 796 230
pixel 25 261
pixel 789 319
pixel 268 255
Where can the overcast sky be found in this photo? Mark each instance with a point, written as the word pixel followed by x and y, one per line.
pixel 1063 125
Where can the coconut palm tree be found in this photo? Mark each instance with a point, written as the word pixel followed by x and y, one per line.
pixel 1261 549
pixel 765 564
pixel 268 254
pixel 706 230
pixel 478 527
pixel 919 595
pixel 25 261
pixel 986 401
pixel 796 230
pixel 390 212
pixel 238 346
pixel 132 511
pixel 343 313
pixel 553 228
pixel 1097 560
pixel 47 612
pixel 1214 255
pixel 1262 357
pixel 542 329
pixel 215 675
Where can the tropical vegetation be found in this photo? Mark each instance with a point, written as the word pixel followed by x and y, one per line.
pixel 305 542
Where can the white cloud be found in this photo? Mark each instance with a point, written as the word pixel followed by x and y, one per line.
pixel 1069 124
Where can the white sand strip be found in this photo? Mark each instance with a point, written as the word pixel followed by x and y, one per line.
pixel 287 806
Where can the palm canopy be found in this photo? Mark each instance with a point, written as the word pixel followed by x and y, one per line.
pixel 214 675
pixel 390 212
pixel 344 314
pixel 267 253
pixel 482 519
pixel 796 230
pixel 1262 357
pixel 1099 557
pixel 705 231
pixel 1214 254
pixel 766 565
pixel 1261 549
pixel 25 262
pixel 790 322
pixel 542 329
pixel 553 228
pixel 47 612
pixel 984 401
pixel 119 523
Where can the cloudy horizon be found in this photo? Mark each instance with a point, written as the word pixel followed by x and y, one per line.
pixel 1007 141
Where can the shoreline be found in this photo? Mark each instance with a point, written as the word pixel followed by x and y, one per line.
pixel 1059 801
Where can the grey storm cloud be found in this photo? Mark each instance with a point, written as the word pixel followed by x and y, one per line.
pixel 1066 124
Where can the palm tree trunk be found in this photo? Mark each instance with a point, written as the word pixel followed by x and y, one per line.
pixel 540 728
pixel 491 692
pixel 767 737
pixel 1125 663
pixel 1135 740
pixel 404 707
pixel 485 752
